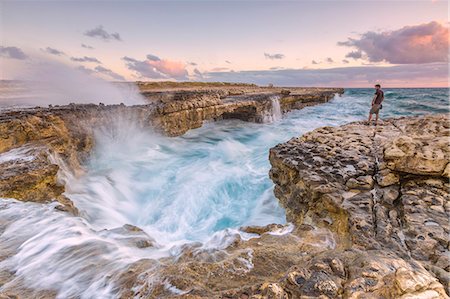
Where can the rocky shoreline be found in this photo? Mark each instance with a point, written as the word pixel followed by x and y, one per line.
pixel 370 211
pixel 63 136
pixel 384 192
pixel 369 206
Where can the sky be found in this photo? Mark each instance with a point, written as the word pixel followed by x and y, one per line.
pixel 292 43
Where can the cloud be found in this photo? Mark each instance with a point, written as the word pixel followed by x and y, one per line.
pixel 153 57
pixel 53 51
pixel 112 74
pixel 354 54
pixel 85 59
pixel 219 69
pixel 87 46
pixel 198 74
pixel 155 68
pixel 401 75
pixel 274 56
pixel 85 69
pixel 345 61
pixel 424 43
pixel 315 62
pixel 192 63
pixel 99 32
pixel 142 68
pixel 13 53
pixel 227 61
pixel 330 60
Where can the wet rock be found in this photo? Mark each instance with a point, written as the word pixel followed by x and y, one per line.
pixel 387 178
pixel 362 182
pixel 63 136
pixel 403 214
pixel 261 229
pixel 132 235
pixel 390 194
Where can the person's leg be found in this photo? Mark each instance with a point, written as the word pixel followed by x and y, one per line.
pixel 370 117
pixel 376 117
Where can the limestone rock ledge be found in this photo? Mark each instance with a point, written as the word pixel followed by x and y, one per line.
pixel 63 136
pixel 366 226
pixel 384 191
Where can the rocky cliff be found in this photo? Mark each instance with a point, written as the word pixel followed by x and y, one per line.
pixel 369 205
pixel 384 192
pixel 370 208
pixel 36 142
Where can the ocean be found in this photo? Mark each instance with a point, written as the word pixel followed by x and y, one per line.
pixel 199 187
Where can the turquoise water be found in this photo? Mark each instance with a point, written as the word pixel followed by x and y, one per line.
pixel 200 187
pixel 192 187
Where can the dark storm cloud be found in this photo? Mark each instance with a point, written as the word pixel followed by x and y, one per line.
pixel 53 51
pixel 85 59
pixel 108 72
pixel 13 53
pixel 424 43
pixel 99 32
pixel 274 56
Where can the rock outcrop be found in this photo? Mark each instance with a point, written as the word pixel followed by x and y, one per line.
pixel 384 191
pixel 369 205
pixel 366 225
pixel 63 136
pixel 181 110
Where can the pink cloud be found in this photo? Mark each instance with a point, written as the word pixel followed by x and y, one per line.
pixel 174 69
pixel 155 68
pixel 424 43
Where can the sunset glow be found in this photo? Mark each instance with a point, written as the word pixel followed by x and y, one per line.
pixel 273 42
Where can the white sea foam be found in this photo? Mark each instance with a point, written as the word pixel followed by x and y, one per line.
pixel 198 189
pixel 274 114
pixel 23 154
pixel 45 81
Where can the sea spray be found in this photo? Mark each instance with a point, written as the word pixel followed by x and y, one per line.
pixel 274 114
pixel 45 81
pixel 195 189
pixel 56 251
pixel 178 190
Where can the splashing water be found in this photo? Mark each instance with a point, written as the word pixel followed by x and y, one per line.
pixel 200 187
pixel 275 113
pixel 45 81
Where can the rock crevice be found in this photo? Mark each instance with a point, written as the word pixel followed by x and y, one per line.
pixel 388 181
pixel 67 132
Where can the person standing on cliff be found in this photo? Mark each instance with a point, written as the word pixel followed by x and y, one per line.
pixel 376 103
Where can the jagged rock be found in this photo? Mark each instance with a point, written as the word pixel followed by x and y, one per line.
pixel 397 204
pixel 366 225
pixel 63 136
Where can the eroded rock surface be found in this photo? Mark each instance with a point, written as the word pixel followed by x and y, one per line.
pixel 384 190
pixel 370 205
pixel 363 229
pixel 63 136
